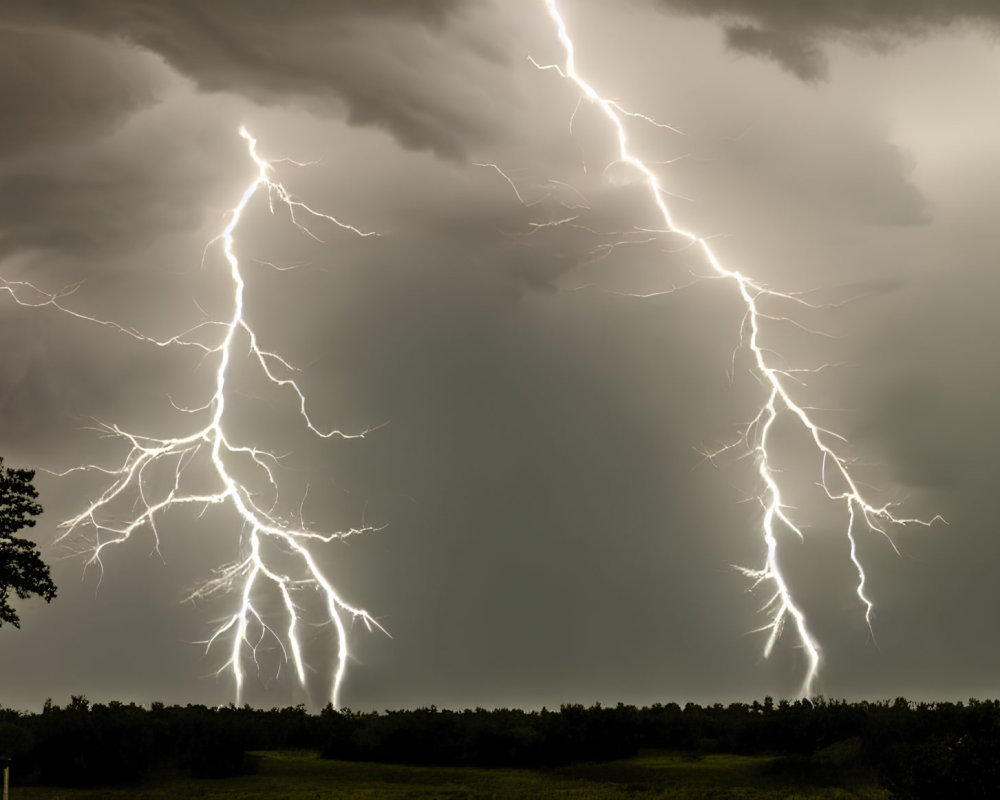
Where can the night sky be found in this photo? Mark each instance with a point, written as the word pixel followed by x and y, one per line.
pixel 550 530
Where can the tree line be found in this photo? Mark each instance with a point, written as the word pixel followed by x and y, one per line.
pixel 919 750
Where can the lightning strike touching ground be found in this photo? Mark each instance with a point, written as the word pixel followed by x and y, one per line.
pixel 758 434
pixel 270 547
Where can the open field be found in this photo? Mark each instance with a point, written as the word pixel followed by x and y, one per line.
pixel 301 775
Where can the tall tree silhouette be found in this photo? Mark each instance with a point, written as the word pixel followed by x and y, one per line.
pixel 22 570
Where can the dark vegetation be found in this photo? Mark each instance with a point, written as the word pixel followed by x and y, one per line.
pixel 22 570
pixel 919 750
pixel 654 775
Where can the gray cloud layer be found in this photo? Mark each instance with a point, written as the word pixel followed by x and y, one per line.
pixel 791 32
pixel 381 59
pixel 66 86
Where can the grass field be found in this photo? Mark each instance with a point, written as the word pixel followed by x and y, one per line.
pixel 300 775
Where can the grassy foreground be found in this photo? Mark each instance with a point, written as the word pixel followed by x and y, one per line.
pixel 301 775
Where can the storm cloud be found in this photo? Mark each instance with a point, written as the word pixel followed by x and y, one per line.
pixel 541 367
pixel 793 34
pixel 400 65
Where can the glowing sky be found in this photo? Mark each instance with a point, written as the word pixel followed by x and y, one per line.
pixel 553 533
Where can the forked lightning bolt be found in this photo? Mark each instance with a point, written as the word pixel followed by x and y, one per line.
pixel 264 532
pixel 782 605
pixel 268 542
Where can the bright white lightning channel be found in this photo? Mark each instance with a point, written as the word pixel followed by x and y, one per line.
pixel 757 435
pixel 263 533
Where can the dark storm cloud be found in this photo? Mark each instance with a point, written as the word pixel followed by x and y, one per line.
pixel 76 172
pixel 791 32
pixel 383 60
pixel 65 86
pixel 105 196
pixel 802 58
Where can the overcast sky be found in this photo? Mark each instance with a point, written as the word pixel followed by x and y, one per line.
pixel 552 532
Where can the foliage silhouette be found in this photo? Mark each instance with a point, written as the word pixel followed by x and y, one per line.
pixel 22 570
pixel 923 751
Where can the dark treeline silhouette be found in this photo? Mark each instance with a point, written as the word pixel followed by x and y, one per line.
pixel 920 750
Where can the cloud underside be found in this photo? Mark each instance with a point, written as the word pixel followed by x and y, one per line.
pixel 792 33
pixel 374 60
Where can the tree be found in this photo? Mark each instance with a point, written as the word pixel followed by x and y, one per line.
pixel 22 570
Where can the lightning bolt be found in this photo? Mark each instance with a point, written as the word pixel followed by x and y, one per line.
pixel 269 544
pixel 757 435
